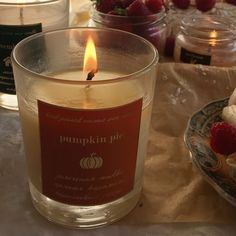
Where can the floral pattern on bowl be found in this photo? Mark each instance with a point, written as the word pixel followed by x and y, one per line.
pixel 212 166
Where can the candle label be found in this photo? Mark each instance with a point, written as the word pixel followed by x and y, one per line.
pixel 88 156
pixel 10 35
pixel 194 58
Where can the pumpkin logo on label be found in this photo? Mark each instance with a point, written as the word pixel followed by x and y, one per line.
pixel 92 162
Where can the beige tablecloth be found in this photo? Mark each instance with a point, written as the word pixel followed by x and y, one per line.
pixel 173 190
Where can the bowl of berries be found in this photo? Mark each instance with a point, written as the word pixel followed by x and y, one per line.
pixel 211 139
pixel 145 18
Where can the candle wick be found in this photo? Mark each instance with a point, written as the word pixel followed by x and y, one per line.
pixel 210 46
pixel 91 74
pixel 21 15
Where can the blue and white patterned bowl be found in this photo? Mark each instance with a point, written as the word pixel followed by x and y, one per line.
pixel 212 166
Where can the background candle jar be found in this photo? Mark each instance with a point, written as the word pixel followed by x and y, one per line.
pixel 19 19
pixel 152 27
pixel 207 40
pixel 85 117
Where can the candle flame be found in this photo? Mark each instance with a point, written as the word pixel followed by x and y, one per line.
pixel 213 36
pixel 90 57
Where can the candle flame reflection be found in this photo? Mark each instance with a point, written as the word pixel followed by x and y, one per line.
pixel 213 36
pixel 90 57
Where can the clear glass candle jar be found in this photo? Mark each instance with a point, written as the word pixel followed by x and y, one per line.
pixel 18 20
pixel 151 27
pixel 85 140
pixel 206 39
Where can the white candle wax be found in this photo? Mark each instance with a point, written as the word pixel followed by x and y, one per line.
pixel 83 97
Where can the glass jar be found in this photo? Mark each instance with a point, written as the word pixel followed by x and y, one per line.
pixel 151 27
pixel 206 39
pixel 18 20
pixel 85 152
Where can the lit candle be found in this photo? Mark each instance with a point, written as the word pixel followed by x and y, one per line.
pixel 18 20
pixel 85 139
pixel 207 40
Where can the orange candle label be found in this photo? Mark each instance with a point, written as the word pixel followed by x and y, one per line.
pixel 88 156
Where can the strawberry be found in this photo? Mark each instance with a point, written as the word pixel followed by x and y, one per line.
pixel 105 6
pixel 231 2
pixel 138 8
pixel 124 3
pixel 205 5
pixel 182 4
pixel 154 5
pixel 223 138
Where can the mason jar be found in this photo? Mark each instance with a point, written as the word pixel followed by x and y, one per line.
pixel 206 39
pixel 151 27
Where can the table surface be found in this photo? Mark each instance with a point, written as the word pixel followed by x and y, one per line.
pixel 18 216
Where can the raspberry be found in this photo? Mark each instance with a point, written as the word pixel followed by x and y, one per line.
pixel 138 8
pixel 231 2
pixel 182 4
pixel 154 5
pixel 205 5
pixel 223 138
